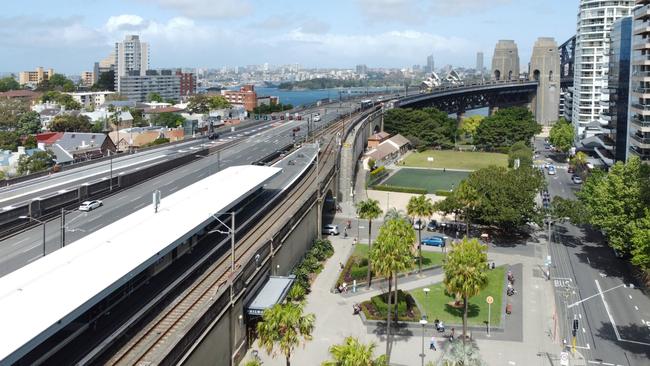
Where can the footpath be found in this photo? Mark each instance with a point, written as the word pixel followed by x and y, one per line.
pixel 533 345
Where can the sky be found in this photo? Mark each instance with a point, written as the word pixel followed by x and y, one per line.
pixel 70 35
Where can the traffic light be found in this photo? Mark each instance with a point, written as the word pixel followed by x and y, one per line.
pixel 574 332
pixel 575 325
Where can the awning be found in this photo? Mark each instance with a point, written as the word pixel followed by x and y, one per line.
pixel 273 292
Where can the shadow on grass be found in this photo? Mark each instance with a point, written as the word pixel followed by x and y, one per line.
pixel 472 310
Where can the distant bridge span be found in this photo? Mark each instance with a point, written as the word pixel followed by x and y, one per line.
pixel 460 98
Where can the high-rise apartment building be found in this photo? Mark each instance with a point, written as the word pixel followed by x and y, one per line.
pixel 567 62
pixel 430 64
pixel 479 62
pixel 595 19
pixel 188 83
pixel 612 144
pixel 640 100
pixel 131 57
pixel 362 70
pixel 137 88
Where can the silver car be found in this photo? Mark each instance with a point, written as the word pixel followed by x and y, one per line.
pixel 331 229
pixel 90 205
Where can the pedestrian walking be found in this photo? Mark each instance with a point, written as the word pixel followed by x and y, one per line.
pixel 432 344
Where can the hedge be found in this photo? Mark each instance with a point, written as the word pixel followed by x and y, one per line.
pixel 386 188
pixel 443 193
pixel 377 171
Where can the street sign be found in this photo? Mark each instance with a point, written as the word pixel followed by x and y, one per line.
pixel 489 299
pixel 564 359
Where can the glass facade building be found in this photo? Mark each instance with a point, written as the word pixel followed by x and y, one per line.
pixel 640 107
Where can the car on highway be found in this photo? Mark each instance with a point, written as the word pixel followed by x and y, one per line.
pixel 432 225
pixel 213 136
pixel 90 205
pixel 419 224
pixel 434 241
pixel 576 179
pixel 331 229
pixel 551 170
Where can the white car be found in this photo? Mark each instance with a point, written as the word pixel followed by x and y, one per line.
pixel 90 205
pixel 419 224
pixel 551 170
pixel 331 229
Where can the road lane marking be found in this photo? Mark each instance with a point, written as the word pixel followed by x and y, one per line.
pixel 630 296
pixel 173 189
pixel 609 314
pixel 636 308
pixel 583 330
pixel 608 364
pixel 593 362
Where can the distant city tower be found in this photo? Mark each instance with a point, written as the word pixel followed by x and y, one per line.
pixel 545 69
pixel 479 62
pixel 505 62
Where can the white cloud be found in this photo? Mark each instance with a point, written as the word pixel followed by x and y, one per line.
pixel 125 22
pixel 215 9
pixel 394 47
pixel 460 7
pixel 47 32
pixel 416 11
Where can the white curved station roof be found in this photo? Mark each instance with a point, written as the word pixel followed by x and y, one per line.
pixel 43 297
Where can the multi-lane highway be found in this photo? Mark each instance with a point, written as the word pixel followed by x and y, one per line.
pixel 250 144
pixel 592 287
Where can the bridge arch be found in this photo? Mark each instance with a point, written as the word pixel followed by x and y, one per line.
pixel 536 75
pixel 497 75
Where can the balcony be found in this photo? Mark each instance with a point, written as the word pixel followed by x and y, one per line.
pixel 640 123
pixel 644 155
pixel 640 141
pixel 641 109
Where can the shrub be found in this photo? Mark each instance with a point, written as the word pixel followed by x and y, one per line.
pixel 377 306
pixel 296 293
pixel 311 263
pixel 302 278
pixel 359 272
pixel 386 188
pixel 443 193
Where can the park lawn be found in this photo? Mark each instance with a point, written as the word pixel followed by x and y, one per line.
pixel 359 272
pixel 449 159
pixel 435 304
pixel 430 180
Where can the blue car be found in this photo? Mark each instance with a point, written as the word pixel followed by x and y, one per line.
pixel 435 241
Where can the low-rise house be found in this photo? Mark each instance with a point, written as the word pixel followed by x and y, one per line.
pixel 91 99
pixel 72 147
pixel 376 139
pixel 25 95
pixel 103 115
pixel 389 150
pixel 137 137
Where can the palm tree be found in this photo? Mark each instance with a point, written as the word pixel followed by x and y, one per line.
pixel 393 214
pixel 465 272
pixel 392 254
pixel 579 160
pixel 469 199
pixel 354 353
pixel 462 354
pixel 283 326
pixel 420 207
pixel 369 210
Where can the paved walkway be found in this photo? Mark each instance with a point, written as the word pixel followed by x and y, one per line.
pixel 335 321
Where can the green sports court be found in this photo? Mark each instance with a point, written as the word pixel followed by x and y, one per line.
pixel 429 179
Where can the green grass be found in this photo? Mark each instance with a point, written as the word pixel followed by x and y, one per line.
pixel 431 180
pixel 435 304
pixel 450 159
pixel 359 272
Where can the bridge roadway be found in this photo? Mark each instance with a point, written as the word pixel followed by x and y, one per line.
pixel 27 246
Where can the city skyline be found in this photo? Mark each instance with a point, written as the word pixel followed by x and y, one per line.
pixel 212 34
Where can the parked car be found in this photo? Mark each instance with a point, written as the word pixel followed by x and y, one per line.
pixel 419 224
pixel 571 169
pixel 435 241
pixel 90 205
pixel 331 229
pixel 576 179
pixel 432 225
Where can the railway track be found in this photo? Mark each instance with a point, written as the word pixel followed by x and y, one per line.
pixel 143 348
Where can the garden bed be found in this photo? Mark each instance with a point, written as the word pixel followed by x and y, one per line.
pixel 376 307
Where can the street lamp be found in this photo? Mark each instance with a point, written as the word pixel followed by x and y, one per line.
pixel 40 222
pixel 63 226
pixel 423 323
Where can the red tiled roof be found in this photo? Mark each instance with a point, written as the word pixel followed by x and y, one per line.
pixel 19 94
pixel 162 110
pixel 49 138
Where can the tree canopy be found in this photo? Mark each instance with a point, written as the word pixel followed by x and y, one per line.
pixel 9 140
pixel 65 100
pixel 71 123
pixel 429 126
pixel 522 152
pixel 8 83
pixel 155 97
pixel 57 82
pixel 562 135
pixel 168 119
pixel 10 112
pixel 497 196
pixel 40 160
pixel 354 353
pixel 469 125
pixel 506 127
pixel 202 103
pixel 284 327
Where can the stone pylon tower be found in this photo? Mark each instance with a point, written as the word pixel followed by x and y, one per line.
pixel 545 69
pixel 505 62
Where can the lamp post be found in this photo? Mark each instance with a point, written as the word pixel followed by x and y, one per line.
pixel 40 222
pixel 423 323
pixel 110 179
pixel 63 228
